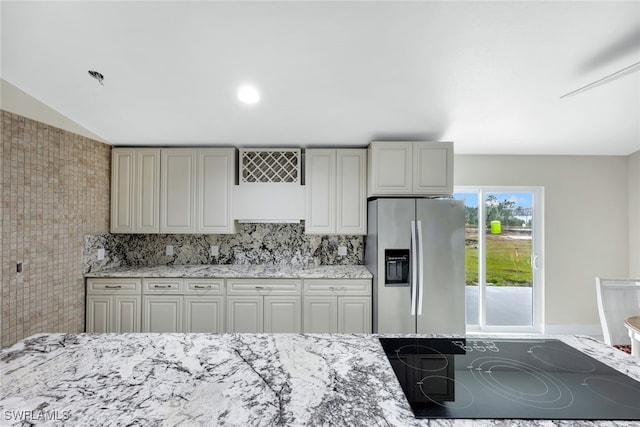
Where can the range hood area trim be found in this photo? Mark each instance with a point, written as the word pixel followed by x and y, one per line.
pixel 269 202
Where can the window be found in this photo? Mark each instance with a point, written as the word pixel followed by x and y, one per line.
pixel 503 247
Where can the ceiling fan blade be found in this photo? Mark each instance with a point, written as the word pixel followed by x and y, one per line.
pixel 611 77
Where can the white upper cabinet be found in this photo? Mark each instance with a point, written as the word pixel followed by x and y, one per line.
pixel 196 190
pixel 135 190
pixel 351 198
pixel 433 168
pixel 215 179
pixel 320 182
pixel 335 191
pixel 410 168
pixel 178 191
pixel 390 168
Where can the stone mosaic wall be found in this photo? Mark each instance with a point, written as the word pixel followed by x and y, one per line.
pixel 55 190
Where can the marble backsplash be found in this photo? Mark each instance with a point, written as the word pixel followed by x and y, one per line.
pixel 272 244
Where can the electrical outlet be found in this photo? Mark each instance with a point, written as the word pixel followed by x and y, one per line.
pixel 100 254
pixel 215 250
pixel 342 251
pixel 169 250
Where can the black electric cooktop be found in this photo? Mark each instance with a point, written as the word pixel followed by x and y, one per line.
pixel 516 379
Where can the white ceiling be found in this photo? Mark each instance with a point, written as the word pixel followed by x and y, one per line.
pixel 486 75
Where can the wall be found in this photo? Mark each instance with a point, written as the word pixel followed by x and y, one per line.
pixel 586 225
pixel 55 189
pixel 633 165
pixel 18 102
pixel 252 244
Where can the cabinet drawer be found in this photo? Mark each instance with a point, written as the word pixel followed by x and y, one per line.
pixel 204 287
pixel 161 286
pixel 112 286
pixel 264 287
pixel 338 287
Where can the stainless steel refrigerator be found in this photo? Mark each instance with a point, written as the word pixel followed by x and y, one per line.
pixel 415 250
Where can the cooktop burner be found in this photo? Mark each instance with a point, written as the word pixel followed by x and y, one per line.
pixel 502 378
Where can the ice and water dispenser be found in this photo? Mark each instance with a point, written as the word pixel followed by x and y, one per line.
pixel 396 267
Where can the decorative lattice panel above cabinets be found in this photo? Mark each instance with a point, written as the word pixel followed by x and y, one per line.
pixel 270 165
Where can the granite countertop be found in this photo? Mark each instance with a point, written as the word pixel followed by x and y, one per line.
pixel 224 379
pixel 240 271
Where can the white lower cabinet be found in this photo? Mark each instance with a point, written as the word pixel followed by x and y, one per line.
pixel 354 315
pixel 282 314
pixel 113 305
pixel 204 305
pixel 264 305
pixel 162 313
pixel 183 305
pixel 247 306
pixel 320 314
pixel 203 314
pixel 245 314
pixel 337 306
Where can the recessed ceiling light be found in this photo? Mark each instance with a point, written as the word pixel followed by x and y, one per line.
pixel 248 95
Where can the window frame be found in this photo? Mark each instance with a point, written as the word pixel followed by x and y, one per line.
pixel 537 258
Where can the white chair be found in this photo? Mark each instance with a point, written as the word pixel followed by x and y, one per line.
pixel 618 299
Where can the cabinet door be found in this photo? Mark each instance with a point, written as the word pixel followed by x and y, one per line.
pixel 245 314
pixel 147 191
pixel 390 168
pixel 351 209
pixel 320 182
pixel 204 314
pixel 122 187
pixel 354 315
pixel 127 314
pixel 320 315
pixel 215 178
pixel 283 314
pixel 433 168
pixel 99 314
pixel 162 313
pixel 177 210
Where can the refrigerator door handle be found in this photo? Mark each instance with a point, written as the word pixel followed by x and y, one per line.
pixel 421 268
pixel 414 269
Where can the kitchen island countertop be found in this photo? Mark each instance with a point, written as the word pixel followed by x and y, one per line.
pixel 225 379
pixel 262 271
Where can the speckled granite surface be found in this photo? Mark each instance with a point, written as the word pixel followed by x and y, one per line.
pixel 228 379
pixel 277 244
pixel 240 271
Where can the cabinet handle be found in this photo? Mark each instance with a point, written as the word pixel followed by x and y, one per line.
pixel 263 288
pixel 202 287
pixel 112 286
pixel 161 286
